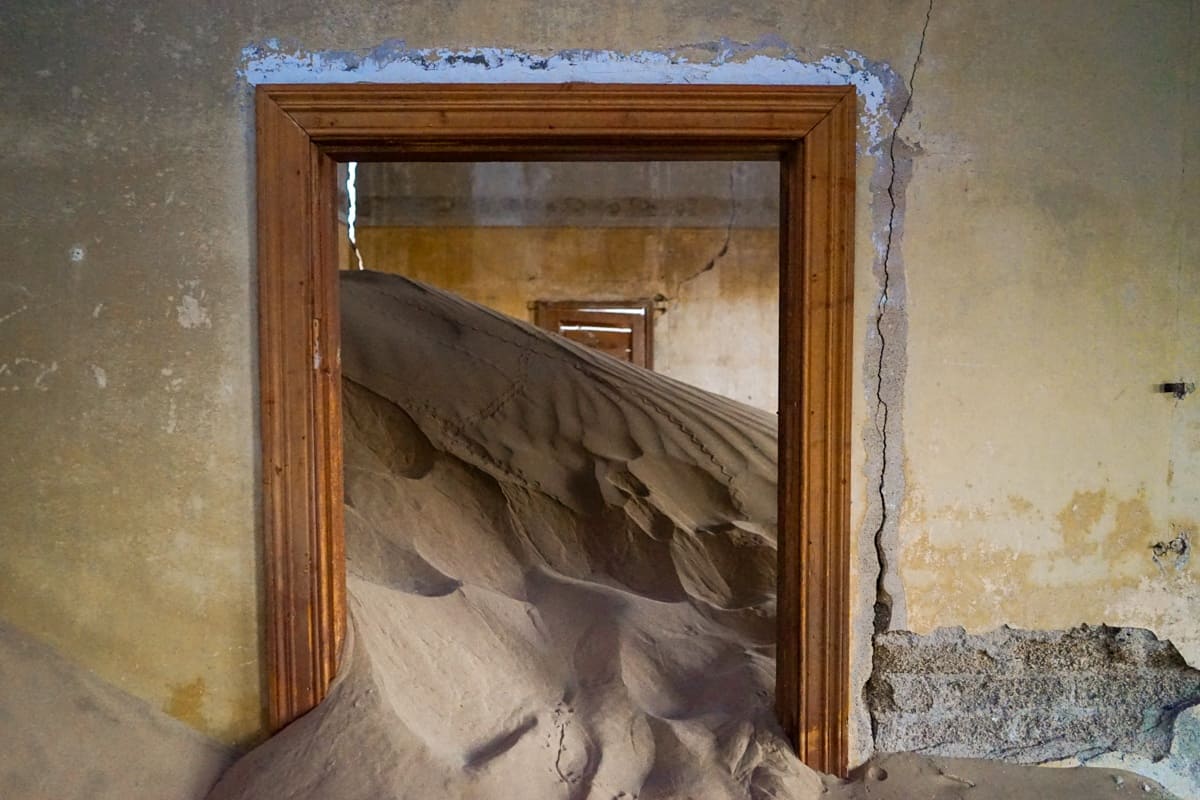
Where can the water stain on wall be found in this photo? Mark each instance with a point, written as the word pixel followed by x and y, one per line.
pixel 187 703
pixel 1086 563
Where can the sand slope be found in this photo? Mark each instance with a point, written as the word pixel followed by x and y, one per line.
pixel 906 776
pixel 562 572
pixel 65 734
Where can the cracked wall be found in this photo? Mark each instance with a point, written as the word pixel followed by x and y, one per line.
pixel 1040 279
pixel 1041 468
pixel 1051 292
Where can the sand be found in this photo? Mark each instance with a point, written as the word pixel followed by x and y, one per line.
pixel 65 734
pixel 561 577
pixel 561 583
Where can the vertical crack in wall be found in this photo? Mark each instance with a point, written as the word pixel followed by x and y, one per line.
pixel 883 599
pixel 724 249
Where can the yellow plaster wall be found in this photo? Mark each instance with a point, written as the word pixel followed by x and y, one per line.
pixel 1051 283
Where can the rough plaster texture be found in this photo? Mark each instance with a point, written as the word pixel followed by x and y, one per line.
pixel 1041 277
pixel 1178 771
pixel 1029 696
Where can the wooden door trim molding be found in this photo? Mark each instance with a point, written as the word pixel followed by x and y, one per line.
pixel 302 131
pixel 547 315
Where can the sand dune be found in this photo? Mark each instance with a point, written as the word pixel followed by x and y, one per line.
pixel 562 575
pixel 561 571
pixel 561 579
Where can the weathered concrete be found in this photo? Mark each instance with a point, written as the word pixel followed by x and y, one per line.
pixel 1179 771
pixel 1029 696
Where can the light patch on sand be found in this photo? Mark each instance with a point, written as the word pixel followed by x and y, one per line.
pixel 67 733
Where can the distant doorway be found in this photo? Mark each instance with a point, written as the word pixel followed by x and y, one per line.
pixel 621 329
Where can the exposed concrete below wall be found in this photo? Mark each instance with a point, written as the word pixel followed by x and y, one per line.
pixel 1029 696
pixel 1179 772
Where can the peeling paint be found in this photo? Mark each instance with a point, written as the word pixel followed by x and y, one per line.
pixel 274 61
pixel 172 386
pixel 13 301
pixel 191 312
pixel 1173 554
pixel 28 373
pixel 1101 559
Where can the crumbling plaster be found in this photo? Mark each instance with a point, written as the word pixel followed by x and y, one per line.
pixel 1040 277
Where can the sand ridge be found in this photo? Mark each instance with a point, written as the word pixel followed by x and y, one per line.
pixel 561 578
pixel 561 583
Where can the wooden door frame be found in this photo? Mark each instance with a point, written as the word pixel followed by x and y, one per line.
pixel 547 315
pixel 304 131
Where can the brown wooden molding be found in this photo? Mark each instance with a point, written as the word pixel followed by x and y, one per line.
pixel 816 304
pixel 304 130
pixel 300 393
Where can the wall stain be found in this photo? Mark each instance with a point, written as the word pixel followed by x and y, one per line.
pixel 957 574
pixel 186 703
pixel 1081 513
pixel 1021 505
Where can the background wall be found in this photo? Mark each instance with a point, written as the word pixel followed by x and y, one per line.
pixel 700 238
pixel 1034 254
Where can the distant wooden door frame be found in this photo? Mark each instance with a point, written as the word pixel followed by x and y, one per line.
pixel 304 131
pixel 549 315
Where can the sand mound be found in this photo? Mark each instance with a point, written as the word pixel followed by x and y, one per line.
pixel 562 574
pixel 907 776
pixel 65 733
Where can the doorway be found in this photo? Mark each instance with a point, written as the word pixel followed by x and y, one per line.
pixel 619 328
pixel 304 131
